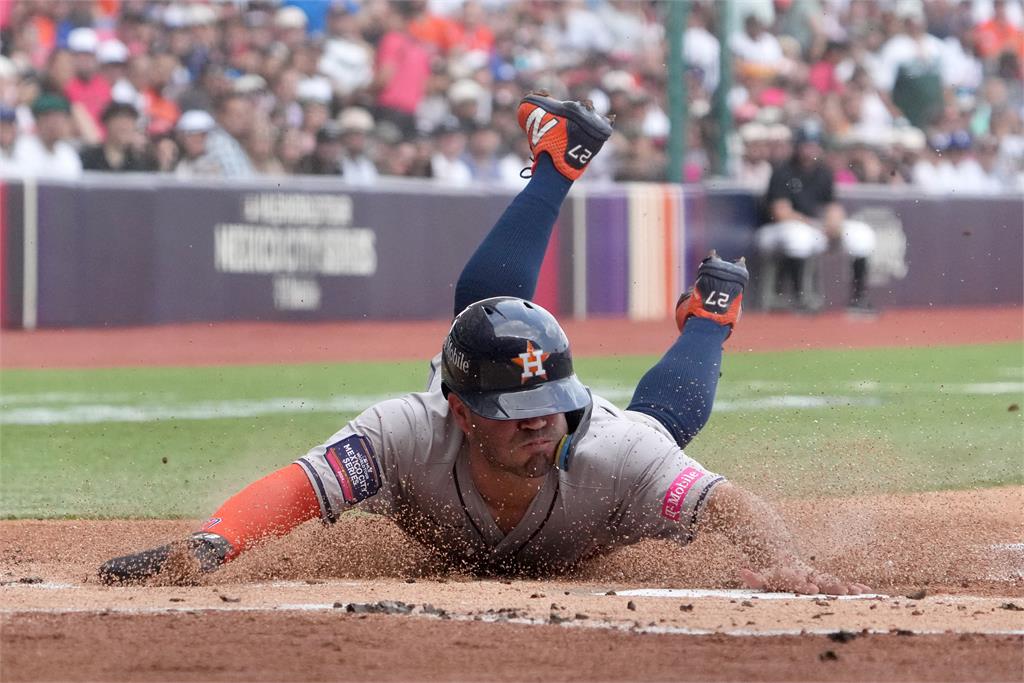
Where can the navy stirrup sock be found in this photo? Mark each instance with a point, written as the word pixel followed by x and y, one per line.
pixel 680 389
pixel 507 262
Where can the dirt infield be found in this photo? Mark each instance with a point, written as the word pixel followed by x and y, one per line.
pixel 360 601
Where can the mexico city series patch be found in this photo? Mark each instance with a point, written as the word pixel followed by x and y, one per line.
pixel 355 468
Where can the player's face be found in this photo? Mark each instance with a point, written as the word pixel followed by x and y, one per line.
pixel 524 448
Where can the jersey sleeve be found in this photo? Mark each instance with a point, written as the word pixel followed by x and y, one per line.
pixel 662 492
pixel 360 464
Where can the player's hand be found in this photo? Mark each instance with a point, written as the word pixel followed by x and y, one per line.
pixel 800 578
pixel 182 561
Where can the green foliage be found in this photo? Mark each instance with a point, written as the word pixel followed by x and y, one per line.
pixel 174 442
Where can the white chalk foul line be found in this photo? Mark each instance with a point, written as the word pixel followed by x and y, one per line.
pixel 735 594
pixel 634 627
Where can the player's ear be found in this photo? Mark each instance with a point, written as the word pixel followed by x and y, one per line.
pixel 460 411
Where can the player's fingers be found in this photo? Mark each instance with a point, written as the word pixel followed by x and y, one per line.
pixel 752 579
pixel 860 589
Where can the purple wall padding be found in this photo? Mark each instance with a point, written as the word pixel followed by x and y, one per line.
pixel 608 254
pixel 141 251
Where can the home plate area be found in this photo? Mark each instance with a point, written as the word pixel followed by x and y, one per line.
pixel 423 629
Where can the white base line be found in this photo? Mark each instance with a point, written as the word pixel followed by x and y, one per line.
pixel 491 618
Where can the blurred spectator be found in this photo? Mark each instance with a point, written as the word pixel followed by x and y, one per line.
pixel 193 130
pixel 758 51
pixel 356 124
pixel 325 159
pixel 347 58
pixel 314 97
pixel 446 163
pixel 911 68
pixel 122 150
pixel 755 164
pixel 8 136
pixel 402 69
pixel 701 49
pixel 289 150
pixel 226 143
pixel 482 154
pixel 87 86
pixel 47 154
pixel 997 34
pixel 261 146
pixel 879 74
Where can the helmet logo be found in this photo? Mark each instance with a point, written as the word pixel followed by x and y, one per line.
pixel 532 362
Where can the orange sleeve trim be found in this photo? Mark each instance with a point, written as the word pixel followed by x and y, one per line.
pixel 271 506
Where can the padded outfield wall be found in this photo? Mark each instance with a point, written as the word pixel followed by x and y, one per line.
pixel 149 249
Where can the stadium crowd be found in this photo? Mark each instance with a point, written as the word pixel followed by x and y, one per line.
pixel 906 92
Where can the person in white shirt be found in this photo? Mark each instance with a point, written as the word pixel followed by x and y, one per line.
pixel 757 47
pixel 701 48
pixel 47 154
pixel 446 164
pixel 356 166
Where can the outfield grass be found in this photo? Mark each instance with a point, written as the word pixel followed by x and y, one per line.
pixel 168 442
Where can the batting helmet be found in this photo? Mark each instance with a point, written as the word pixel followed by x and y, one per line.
pixel 508 359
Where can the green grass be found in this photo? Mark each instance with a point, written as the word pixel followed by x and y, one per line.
pixel 888 420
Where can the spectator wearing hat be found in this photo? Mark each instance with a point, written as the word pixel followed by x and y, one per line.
pixel 356 124
pixel 290 26
pixel 755 167
pixel 87 86
pixel 47 154
pixel 446 163
pixel 325 159
pixel 314 97
pixel 466 98
pixel 192 130
pixel 226 143
pixel 120 151
pixel 112 56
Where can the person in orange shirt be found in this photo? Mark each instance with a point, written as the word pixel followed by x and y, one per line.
pixel 998 35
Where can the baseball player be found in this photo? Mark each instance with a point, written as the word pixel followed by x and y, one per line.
pixel 506 463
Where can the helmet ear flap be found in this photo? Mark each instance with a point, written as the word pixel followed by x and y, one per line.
pixel 578 423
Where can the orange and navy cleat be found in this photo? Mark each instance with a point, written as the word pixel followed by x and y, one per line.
pixel 571 133
pixel 718 293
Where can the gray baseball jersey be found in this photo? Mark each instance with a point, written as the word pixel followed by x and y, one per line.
pixel 628 480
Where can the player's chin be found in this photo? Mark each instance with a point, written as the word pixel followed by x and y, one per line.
pixel 538 464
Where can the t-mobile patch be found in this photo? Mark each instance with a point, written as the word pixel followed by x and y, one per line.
pixel 672 506
pixel 352 462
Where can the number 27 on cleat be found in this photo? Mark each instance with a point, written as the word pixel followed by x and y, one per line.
pixel 580 154
pixel 717 299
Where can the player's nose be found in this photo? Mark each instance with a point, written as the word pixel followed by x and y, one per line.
pixel 534 423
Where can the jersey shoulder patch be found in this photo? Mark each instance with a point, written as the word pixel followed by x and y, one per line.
pixel 355 467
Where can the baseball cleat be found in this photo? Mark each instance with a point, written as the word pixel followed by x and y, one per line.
pixel 717 294
pixel 571 133
pixel 208 550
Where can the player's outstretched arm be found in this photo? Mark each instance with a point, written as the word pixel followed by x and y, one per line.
pixel 271 506
pixel 757 529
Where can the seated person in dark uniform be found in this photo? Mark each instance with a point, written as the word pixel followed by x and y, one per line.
pixel 803 217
